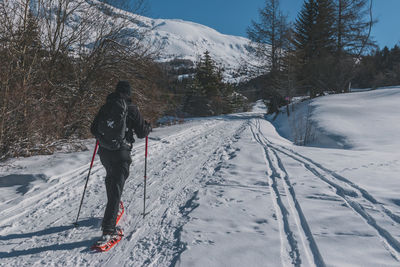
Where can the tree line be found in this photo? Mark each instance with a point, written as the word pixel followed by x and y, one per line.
pixel 379 68
pixel 203 91
pixel 320 51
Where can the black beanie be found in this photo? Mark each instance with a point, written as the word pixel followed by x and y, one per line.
pixel 123 87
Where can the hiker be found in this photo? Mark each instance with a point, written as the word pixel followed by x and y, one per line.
pixel 113 127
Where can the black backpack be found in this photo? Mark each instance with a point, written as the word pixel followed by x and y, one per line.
pixel 111 125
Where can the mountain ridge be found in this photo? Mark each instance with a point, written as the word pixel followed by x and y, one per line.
pixel 188 40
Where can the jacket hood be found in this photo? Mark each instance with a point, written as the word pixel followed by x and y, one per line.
pixel 113 96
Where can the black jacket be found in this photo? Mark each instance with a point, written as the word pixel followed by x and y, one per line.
pixel 134 121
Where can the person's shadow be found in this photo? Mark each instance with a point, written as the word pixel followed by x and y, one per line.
pixel 91 222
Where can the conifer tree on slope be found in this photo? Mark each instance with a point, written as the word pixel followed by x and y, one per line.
pixel 209 76
pixel 305 44
pixel 314 41
pixel 206 96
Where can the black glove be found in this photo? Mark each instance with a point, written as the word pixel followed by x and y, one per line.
pixel 148 127
pixel 129 136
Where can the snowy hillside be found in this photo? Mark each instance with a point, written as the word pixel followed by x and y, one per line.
pixel 172 39
pixel 188 40
pixel 222 191
pixel 181 39
pixel 364 120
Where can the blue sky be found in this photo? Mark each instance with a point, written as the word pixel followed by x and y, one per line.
pixel 234 16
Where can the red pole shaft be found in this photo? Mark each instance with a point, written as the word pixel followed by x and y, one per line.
pixel 87 179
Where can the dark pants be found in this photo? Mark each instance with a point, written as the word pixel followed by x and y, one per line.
pixel 117 165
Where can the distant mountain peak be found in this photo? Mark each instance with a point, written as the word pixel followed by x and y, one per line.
pixel 188 40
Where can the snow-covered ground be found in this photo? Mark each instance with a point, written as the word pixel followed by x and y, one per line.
pixel 366 120
pixel 222 191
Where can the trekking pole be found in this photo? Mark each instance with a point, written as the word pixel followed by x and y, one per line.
pixel 87 179
pixel 145 177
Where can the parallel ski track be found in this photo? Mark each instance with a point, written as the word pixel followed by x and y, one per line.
pixel 356 198
pixel 296 216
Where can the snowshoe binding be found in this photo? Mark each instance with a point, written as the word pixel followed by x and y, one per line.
pixel 108 240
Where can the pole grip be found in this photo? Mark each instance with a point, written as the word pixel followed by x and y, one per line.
pixel 94 153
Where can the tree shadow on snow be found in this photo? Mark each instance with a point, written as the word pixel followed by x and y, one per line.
pixel 55 247
pixel 241 116
pixel 91 222
pixel 22 182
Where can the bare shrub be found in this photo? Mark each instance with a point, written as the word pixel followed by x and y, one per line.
pixel 60 58
pixel 302 127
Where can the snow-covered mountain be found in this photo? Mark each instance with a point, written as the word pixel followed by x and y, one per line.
pixel 179 39
pixel 188 40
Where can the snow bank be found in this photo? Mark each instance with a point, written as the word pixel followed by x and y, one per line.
pixel 363 120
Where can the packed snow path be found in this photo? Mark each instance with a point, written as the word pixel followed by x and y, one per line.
pixel 224 191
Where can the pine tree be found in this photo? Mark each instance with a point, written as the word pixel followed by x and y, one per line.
pixel 314 45
pixel 305 44
pixel 324 27
pixel 208 76
pixel 304 34
pixel 206 95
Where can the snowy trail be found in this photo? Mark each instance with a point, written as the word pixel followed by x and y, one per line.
pixel 223 191
pixel 73 179
pixel 357 198
pixel 176 170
